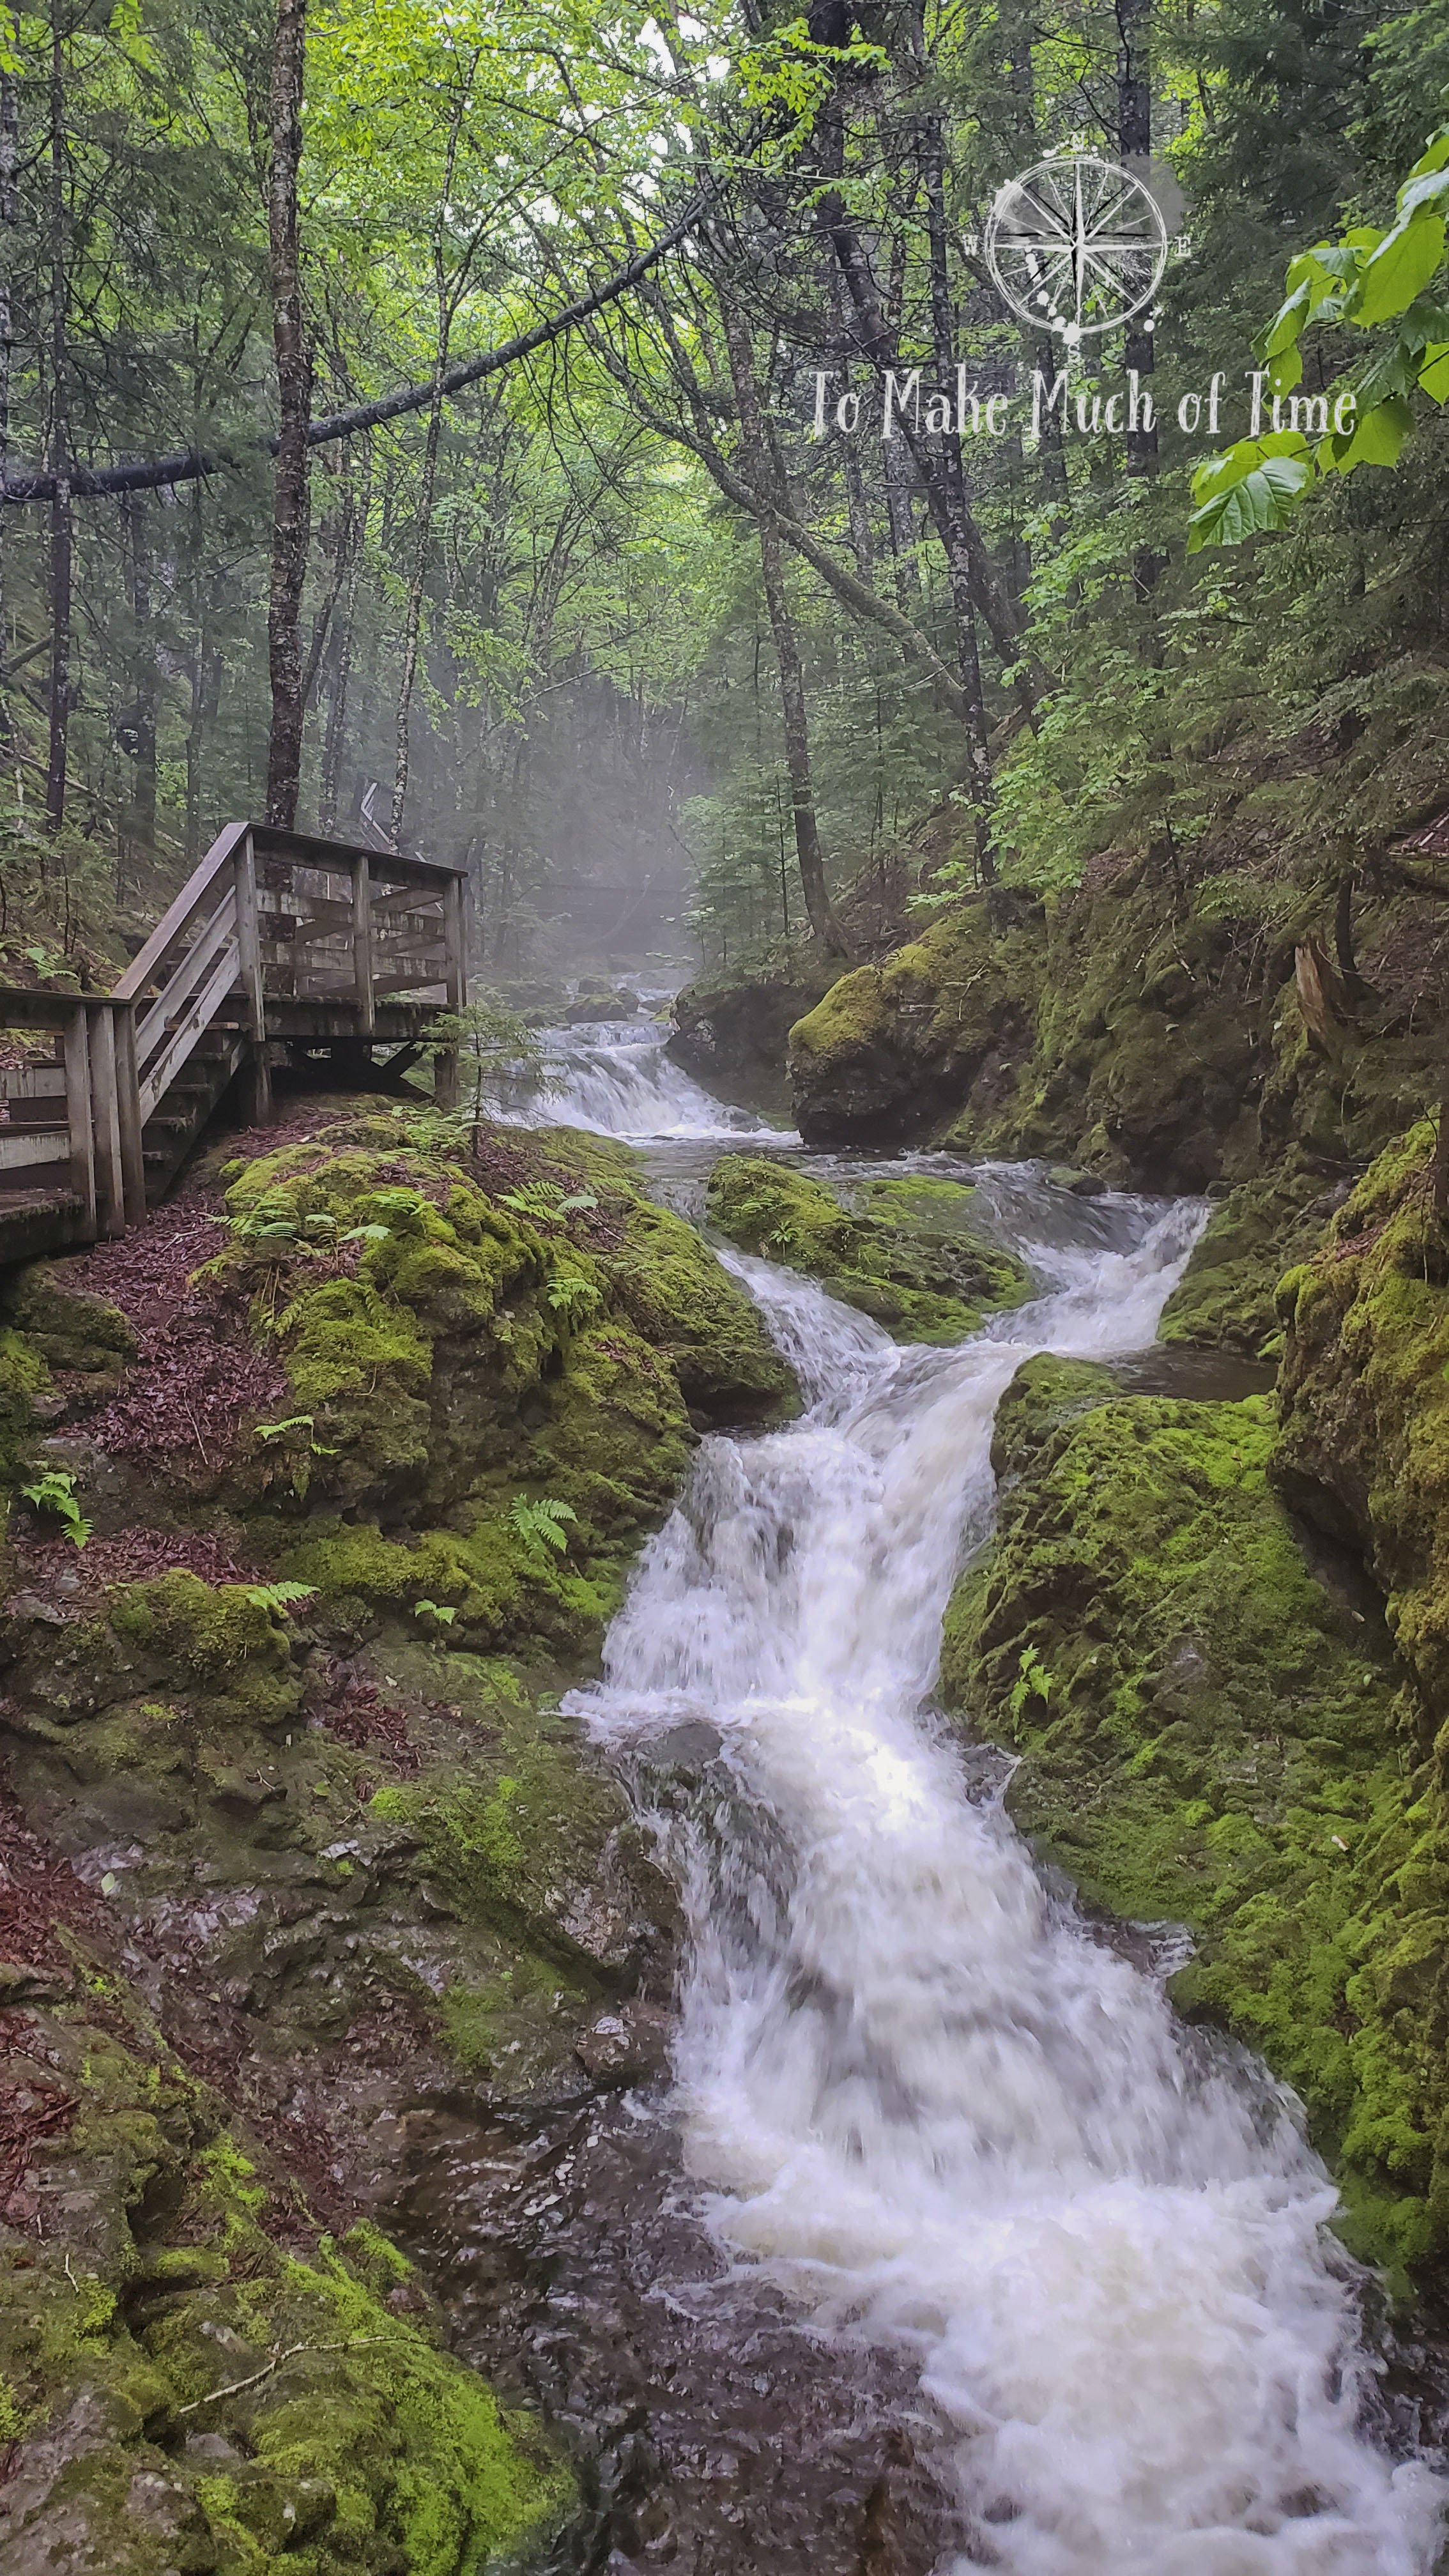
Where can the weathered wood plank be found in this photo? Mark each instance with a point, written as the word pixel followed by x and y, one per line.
pixel 78 1112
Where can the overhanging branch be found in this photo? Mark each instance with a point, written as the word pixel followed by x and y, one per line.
pixel 187 464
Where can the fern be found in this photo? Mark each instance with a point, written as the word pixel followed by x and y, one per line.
pixel 278 1596
pixel 542 1524
pixel 1033 1681
pixel 545 1200
pixel 293 1422
pixel 55 1492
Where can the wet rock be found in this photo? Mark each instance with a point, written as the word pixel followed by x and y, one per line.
pixel 630 2046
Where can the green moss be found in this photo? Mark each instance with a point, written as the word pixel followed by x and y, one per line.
pixel 23 1376
pixel 1365 1398
pixel 215 1643
pixel 1208 1735
pixel 915 1263
pixel 356 2441
pixel 935 1030
pixel 669 1285
pixel 1227 1296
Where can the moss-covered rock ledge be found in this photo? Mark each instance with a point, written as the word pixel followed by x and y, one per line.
pixel 295 1835
pixel 904 1250
pixel 1210 1733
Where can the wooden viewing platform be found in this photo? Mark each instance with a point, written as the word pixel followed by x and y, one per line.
pixel 280 944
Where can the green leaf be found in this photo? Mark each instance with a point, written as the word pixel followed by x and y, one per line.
pixel 1400 268
pixel 1378 438
pixel 1436 156
pixel 1264 498
pixel 1434 372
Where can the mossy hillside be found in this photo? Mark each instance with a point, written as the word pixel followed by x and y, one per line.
pixel 1364 1398
pixel 191 2380
pixel 907 1254
pixel 1143 1025
pixel 938 1029
pixel 1208 1735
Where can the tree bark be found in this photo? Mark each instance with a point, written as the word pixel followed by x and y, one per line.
pixel 1134 144
pixel 343 633
pixel 137 839
pixel 60 518
pixel 808 851
pixel 9 227
pixel 290 496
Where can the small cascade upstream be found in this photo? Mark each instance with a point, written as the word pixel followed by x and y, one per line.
pixel 920 2100
pixel 614 1078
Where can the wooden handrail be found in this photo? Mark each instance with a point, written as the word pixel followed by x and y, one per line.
pixel 204 967
pixel 177 914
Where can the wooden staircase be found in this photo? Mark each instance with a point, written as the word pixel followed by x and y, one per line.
pixel 281 945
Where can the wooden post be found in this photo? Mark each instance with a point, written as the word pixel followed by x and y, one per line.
pixel 78 1114
pixel 455 937
pixel 249 951
pixel 128 1098
pixel 362 944
pixel 445 1062
pixel 106 1113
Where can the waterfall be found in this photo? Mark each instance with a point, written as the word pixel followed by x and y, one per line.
pixel 615 1079
pixel 914 2090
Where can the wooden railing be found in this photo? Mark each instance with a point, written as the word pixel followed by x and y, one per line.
pixel 277 935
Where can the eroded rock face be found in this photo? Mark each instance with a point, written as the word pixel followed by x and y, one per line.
pixel 299 1838
pixel 734 1029
pixel 1210 1733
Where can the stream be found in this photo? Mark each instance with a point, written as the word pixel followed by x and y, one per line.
pixel 947 2247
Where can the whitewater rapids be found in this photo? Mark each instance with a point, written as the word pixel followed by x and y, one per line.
pixel 914 2089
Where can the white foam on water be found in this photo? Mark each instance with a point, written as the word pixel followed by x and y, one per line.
pixel 913 2090
pixel 614 1078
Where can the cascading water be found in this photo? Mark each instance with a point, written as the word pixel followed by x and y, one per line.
pixel 614 1078
pixel 921 2098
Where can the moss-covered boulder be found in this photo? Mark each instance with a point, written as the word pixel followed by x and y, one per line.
pixel 1364 1396
pixel 192 2379
pixel 676 1295
pixel 1211 1734
pixel 907 1252
pixel 735 1028
pixel 1227 1298
pixel 938 1030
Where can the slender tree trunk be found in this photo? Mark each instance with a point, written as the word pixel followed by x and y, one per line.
pixel 290 502
pixel 952 473
pixel 61 536
pixel 412 623
pixel 808 851
pixel 343 634
pixel 1134 144
pixel 137 839
pixel 9 246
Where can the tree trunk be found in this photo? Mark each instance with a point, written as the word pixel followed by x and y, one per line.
pixel 947 446
pixel 137 839
pixel 290 502
pixel 343 634
pixel 808 851
pixel 9 225
pixel 412 623
pixel 60 514
pixel 1134 145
